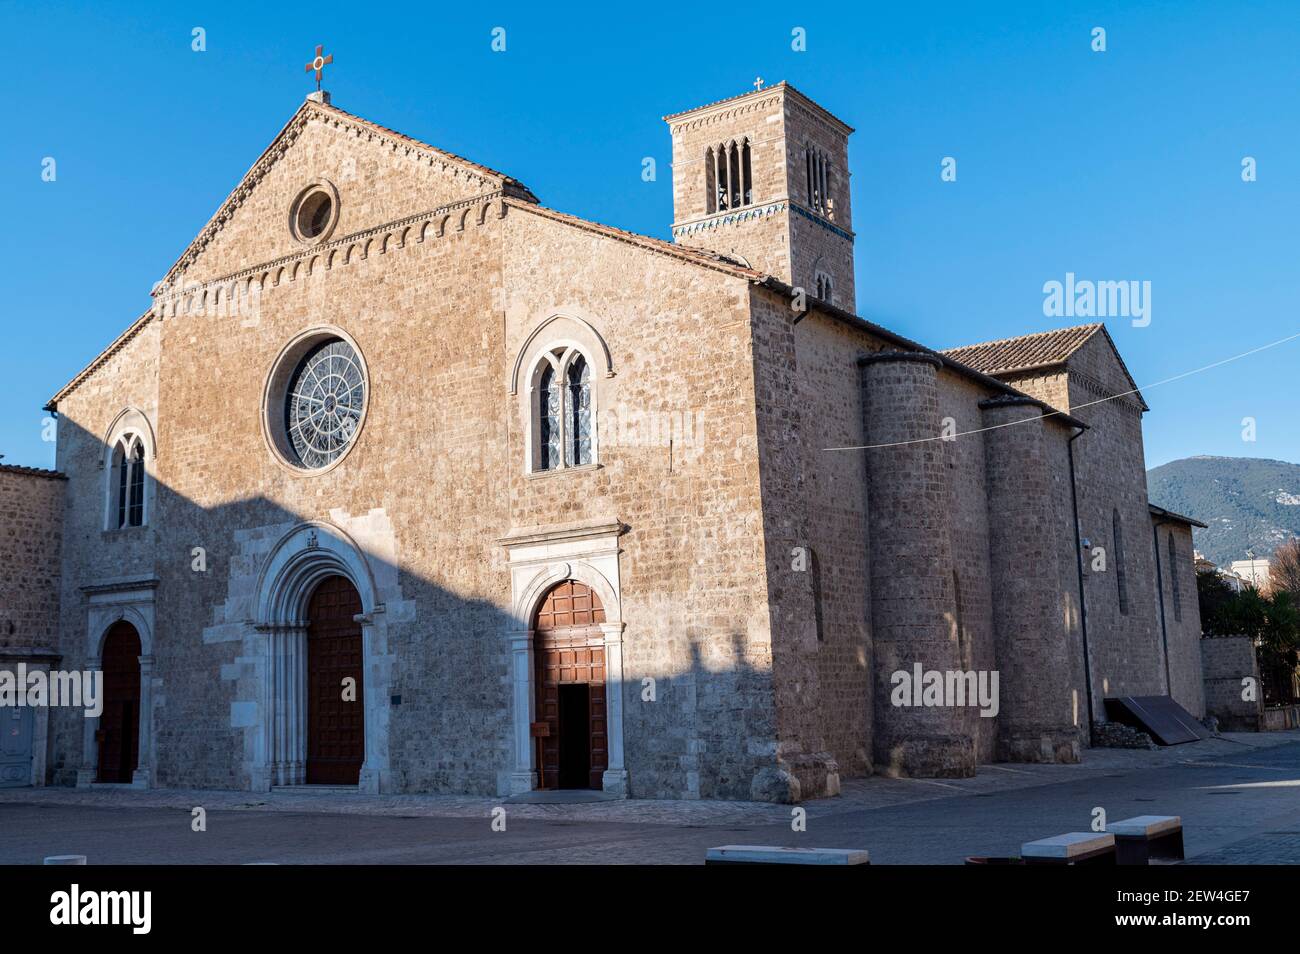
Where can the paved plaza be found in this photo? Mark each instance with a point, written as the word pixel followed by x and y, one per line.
pixel 1237 795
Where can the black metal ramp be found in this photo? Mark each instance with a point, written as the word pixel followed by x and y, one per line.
pixel 1159 716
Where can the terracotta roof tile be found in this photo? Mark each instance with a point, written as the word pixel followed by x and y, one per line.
pixel 1039 350
pixel 32 471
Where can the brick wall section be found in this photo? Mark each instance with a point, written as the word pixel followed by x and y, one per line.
pixel 1182 615
pixel 91 554
pixel 694 584
pixel 1226 661
pixel 379 180
pixel 969 515
pixel 1126 648
pixel 1035 722
pixel 798 559
pixel 832 502
pixel 31 527
pixel 909 490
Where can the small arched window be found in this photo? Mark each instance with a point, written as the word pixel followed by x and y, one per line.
pixel 128 483
pixel 1121 581
pixel 563 411
pixel 1173 576
pixel 825 287
pixel 728 176
pixel 818 169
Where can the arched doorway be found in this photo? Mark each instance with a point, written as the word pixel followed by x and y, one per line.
pixel 336 735
pixel 118 735
pixel 569 649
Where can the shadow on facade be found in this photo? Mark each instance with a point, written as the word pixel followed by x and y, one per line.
pixel 220 597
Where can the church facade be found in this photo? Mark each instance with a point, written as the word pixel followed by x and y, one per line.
pixel 409 483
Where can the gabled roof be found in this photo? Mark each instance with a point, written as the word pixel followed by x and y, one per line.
pixel 279 145
pixel 1168 516
pixel 117 345
pixel 765 91
pixel 1040 351
pixel 1044 349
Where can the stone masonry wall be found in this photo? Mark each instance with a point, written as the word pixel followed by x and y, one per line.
pixel 1182 616
pixel 1227 661
pixel 678 464
pixel 31 526
pixel 91 554
pixel 1126 648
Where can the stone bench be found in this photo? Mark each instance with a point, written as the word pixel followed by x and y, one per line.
pixel 1075 848
pixel 1138 840
pixel 765 855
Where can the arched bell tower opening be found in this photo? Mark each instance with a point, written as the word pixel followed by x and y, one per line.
pixel 570 693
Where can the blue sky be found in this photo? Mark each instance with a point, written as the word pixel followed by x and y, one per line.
pixel 1122 165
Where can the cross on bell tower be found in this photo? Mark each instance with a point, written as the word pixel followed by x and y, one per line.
pixel 319 63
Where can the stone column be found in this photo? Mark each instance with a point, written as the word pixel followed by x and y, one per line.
pixel 615 778
pixel 909 545
pixel 295 686
pixel 142 777
pixel 285 695
pixel 1035 718
pixel 374 772
pixel 277 705
pixel 89 747
pixel 524 776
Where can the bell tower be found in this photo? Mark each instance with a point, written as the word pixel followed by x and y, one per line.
pixel 764 177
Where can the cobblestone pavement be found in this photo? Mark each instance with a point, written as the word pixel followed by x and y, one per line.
pixel 1239 797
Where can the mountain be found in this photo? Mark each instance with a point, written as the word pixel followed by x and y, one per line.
pixel 1248 502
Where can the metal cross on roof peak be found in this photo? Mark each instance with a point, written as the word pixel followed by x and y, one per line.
pixel 319 63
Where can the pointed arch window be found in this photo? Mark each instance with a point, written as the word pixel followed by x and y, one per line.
pixel 128 483
pixel 563 411
pixel 728 176
pixel 825 287
pixel 818 169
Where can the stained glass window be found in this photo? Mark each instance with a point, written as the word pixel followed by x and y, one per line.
pixel 549 398
pixel 564 412
pixel 577 447
pixel 324 403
